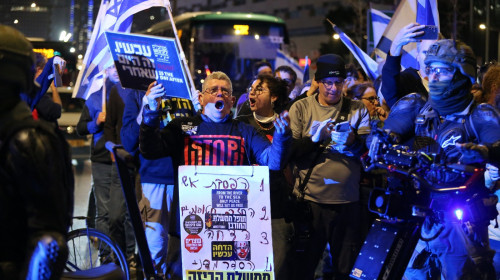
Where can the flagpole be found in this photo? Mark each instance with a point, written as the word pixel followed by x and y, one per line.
pixel 104 93
pixel 182 55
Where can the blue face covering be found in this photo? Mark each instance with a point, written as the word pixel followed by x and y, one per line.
pixel 452 96
pixel 437 90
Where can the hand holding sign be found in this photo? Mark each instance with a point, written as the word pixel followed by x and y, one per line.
pixel 153 95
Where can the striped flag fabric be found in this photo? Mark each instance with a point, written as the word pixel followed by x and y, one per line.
pixel 367 63
pixel 114 15
pixel 379 23
pixel 284 59
pixel 408 11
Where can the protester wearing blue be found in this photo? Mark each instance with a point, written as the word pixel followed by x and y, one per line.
pixel 109 198
pixel 157 175
pixel 449 117
pixel 215 128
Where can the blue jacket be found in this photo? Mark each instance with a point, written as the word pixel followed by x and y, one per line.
pixel 160 170
pixel 199 141
pixel 397 83
pixel 87 125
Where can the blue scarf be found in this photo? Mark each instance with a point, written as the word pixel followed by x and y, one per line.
pixel 451 96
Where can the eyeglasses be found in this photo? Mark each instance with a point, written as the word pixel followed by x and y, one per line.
pixel 214 90
pixel 329 84
pixel 372 99
pixel 257 90
pixel 441 71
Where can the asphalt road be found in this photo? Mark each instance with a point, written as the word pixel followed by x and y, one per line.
pixel 83 181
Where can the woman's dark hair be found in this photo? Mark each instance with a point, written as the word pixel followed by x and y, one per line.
pixel 356 91
pixel 278 88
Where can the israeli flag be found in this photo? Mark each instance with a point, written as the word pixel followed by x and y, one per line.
pixel 114 15
pixel 284 59
pixel 408 11
pixel 379 23
pixel 369 65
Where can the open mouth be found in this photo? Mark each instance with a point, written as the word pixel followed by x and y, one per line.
pixel 251 101
pixel 219 105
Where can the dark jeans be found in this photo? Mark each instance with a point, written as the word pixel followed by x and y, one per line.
pixel 282 248
pixel 339 226
pixel 112 217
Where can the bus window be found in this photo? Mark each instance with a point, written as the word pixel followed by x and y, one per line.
pixel 227 42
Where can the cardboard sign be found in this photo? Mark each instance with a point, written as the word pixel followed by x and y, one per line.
pixel 225 222
pixel 141 59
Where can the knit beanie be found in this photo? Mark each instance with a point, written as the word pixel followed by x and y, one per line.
pixel 330 65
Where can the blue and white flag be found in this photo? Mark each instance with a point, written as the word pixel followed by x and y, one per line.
pixel 284 59
pixel 369 65
pixel 114 15
pixel 379 24
pixel 408 11
pixel 427 12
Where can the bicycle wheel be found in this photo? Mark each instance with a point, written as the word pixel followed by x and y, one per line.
pixel 89 248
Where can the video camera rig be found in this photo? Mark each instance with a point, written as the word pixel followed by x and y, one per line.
pixel 419 184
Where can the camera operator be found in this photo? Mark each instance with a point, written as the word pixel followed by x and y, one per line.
pixel 435 127
pixel 36 177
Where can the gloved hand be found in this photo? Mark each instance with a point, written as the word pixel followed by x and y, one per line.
pixel 491 176
pixel 374 147
pixel 153 96
pixel 320 131
pixel 195 100
pixel 343 138
pixel 472 153
pixel 61 62
pixel 282 123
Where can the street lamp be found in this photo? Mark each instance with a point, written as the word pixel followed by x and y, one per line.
pixel 482 26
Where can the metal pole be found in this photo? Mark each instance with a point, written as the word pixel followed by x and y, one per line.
pixel 182 55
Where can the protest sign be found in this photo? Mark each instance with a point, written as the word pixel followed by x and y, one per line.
pixel 225 222
pixel 141 59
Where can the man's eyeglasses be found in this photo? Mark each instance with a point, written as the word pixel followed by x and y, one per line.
pixel 214 90
pixel 257 90
pixel 329 84
pixel 441 71
pixel 372 99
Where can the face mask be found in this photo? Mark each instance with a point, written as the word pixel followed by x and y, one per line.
pixel 451 96
pixel 437 89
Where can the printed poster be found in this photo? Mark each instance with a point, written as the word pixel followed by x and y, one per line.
pixel 225 222
pixel 142 59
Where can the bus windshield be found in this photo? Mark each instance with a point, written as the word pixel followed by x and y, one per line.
pixel 227 42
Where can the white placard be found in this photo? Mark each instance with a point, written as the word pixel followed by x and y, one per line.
pixel 225 222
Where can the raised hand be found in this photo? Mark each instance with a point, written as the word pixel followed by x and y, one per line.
pixel 405 36
pixel 282 123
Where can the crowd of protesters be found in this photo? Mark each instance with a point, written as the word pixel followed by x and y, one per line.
pixel 311 134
